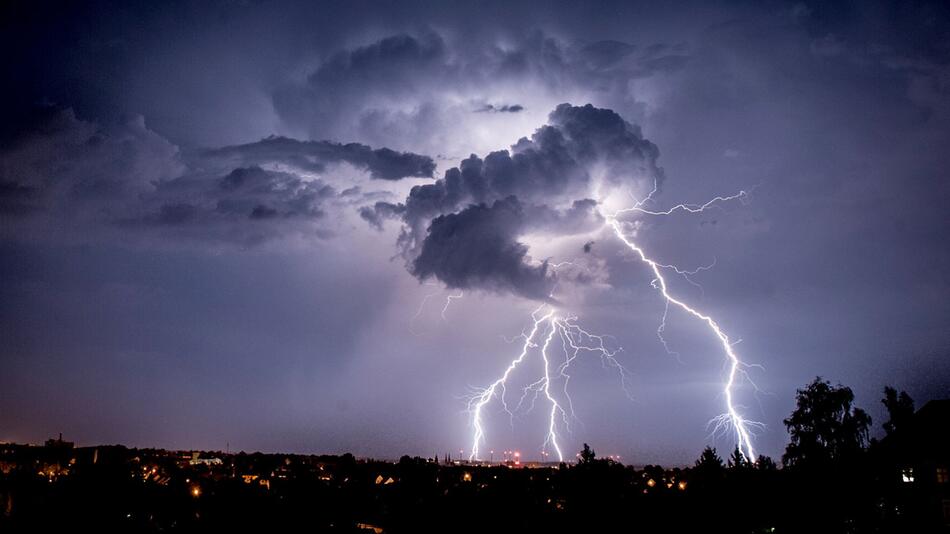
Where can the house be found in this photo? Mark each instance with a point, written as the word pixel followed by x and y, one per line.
pixel 914 463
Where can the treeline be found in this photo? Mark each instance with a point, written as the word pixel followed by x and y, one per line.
pixel 832 478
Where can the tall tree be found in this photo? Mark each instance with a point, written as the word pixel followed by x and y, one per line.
pixel 825 427
pixel 587 455
pixel 709 461
pixel 900 409
pixel 765 463
pixel 709 472
pixel 738 461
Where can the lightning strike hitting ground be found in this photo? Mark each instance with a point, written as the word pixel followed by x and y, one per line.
pixel 551 438
pixel 732 417
pixel 478 401
pixel 575 340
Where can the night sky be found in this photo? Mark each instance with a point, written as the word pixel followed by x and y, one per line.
pixel 238 222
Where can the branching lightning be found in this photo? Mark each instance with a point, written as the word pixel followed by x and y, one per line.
pixel 478 401
pixel 549 325
pixel 732 418
pixel 425 299
pixel 689 208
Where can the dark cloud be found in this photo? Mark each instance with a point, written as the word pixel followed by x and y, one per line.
pixel 552 167
pixel 393 61
pixel 61 168
pixel 581 217
pixel 382 163
pixel 404 88
pixel 387 69
pixel 380 211
pixel 246 186
pixel 248 205
pixel 542 185
pixel 244 193
pixel 478 248
pixel 502 108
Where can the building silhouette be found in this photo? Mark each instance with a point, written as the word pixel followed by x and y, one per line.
pixel 914 467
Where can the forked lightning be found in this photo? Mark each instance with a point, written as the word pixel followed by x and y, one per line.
pixel 549 325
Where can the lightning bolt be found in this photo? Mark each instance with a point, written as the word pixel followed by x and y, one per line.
pixel 732 417
pixel 448 301
pixel 575 340
pixel 422 305
pixel 689 208
pixel 551 438
pixel 478 401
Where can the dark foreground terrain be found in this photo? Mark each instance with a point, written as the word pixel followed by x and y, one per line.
pixel 113 488
pixel 833 479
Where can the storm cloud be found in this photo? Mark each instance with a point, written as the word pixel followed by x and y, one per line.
pixel 58 162
pixel 502 108
pixel 404 88
pixel 464 229
pixel 125 176
pixel 314 156
pixel 478 248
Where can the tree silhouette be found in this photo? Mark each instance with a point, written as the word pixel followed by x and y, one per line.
pixel 765 463
pixel 737 460
pixel 587 455
pixel 709 461
pixel 900 409
pixel 825 428
pixel 709 472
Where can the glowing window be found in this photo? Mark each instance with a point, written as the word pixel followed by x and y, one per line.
pixel 943 476
pixel 907 474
